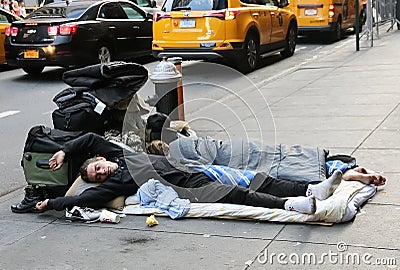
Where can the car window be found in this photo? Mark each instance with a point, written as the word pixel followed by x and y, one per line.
pixel 112 11
pixel 142 3
pixel 72 12
pixel 131 12
pixel 271 2
pixel 171 5
pixel 3 18
pixel 90 14
pixel 45 2
pixel 259 2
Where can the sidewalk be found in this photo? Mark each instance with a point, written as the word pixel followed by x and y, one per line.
pixel 346 101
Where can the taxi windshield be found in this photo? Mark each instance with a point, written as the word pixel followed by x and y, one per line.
pixel 175 5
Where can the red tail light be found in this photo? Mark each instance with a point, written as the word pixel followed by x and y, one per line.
pixel 11 31
pixel 331 11
pixel 228 14
pixel 52 30
pixel 68 29
pixel 160 15
pixel 62 30
pixel 218 14
pixel 231 14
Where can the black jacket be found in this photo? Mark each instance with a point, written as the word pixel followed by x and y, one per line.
pixel 134 170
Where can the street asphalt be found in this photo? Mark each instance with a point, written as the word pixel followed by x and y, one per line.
pixel 345 101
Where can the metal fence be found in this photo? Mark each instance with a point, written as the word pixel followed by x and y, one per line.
pixel 380 13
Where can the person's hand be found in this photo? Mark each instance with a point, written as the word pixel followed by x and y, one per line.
pixel 57 160
pixel 42 205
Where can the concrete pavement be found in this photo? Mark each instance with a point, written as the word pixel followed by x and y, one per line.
pixel 345 101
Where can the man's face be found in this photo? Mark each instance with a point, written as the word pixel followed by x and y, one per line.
pixel 99 170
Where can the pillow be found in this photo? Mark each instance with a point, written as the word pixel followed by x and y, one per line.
pixel 79 186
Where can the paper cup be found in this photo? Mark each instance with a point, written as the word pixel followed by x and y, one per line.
pixel 109 217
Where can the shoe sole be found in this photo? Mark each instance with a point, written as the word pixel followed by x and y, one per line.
pixel 29 210
pixel 81 219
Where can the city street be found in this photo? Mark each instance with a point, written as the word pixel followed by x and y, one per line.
pixel 326 95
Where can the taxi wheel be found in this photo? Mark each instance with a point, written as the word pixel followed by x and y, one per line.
pixel 290 42
pixel 33 70
pixel 337 33
pixel 104 54
pixel 251 51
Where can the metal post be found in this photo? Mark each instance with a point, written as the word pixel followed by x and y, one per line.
pixel 357 25
pixel 165 78
pixel 370 25
pixel 168 99
pixel 398 14
pixel 177 61
pixel 377 11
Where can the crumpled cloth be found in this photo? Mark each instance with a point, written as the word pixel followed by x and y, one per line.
pixel 154 194
pixel 114 83
pixel 107 71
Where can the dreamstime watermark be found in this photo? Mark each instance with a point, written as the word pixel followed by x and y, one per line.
pixel 340 256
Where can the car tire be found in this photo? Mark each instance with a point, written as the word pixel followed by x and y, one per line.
pixel 33 70
pixel 290 41
pixel 337 33
pixel 251 52
pixel 104 54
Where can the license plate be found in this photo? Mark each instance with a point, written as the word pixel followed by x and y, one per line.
pixel 187 23
pixel 31 54
pixel 207 44
pixel 311 12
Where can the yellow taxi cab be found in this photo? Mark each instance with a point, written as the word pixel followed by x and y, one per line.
pixel 330 16
pixel 236 31
pixel 6 18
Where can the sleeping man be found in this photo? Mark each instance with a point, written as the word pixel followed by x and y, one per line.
pixel 121 173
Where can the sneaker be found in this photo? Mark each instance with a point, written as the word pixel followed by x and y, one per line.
pixel 82 214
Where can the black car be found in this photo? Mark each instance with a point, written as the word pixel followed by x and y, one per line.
pixel 79 33
pixel 147 5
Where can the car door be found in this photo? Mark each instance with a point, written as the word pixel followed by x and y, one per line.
pixel 276 22
pixel 262 17
pixel 119 34
pixel 5 20
pixel 3 24
pixel 140 28
pixel 349 13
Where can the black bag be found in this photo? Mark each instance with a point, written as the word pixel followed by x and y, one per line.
pixel 41 143
pixel 78 110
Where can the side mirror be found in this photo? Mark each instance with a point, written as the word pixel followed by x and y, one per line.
pixel 149 16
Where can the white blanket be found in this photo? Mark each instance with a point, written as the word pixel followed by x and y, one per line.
pixel 340 207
